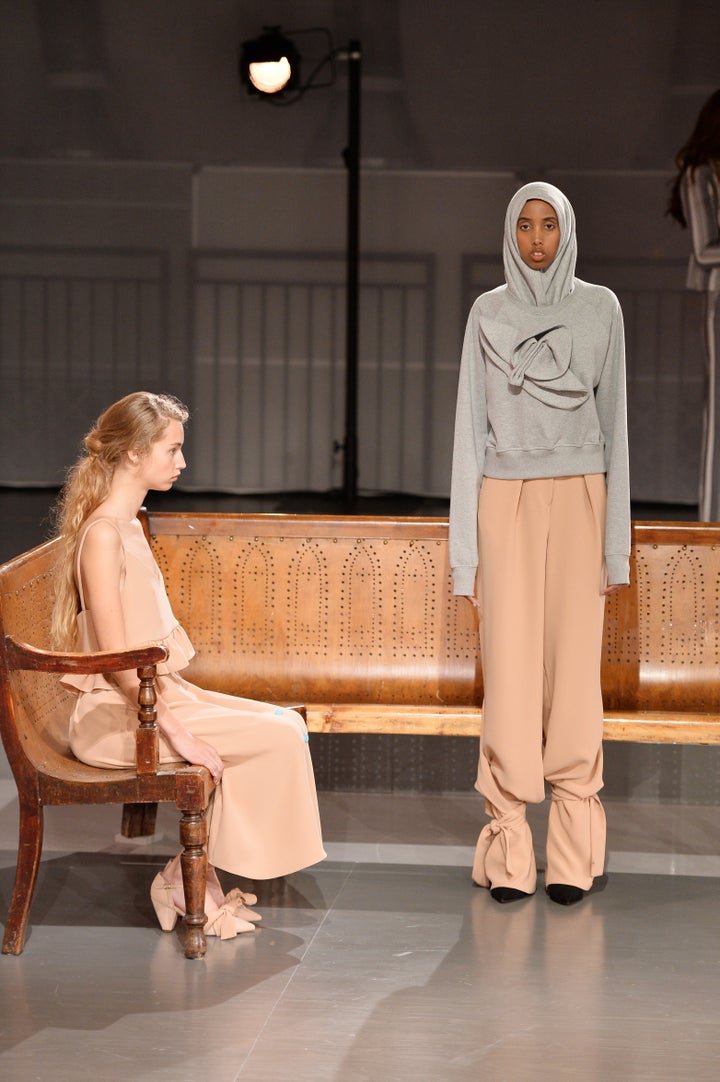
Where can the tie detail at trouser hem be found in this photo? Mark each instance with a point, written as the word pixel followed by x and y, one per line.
pixel 504 854
pixel 576 840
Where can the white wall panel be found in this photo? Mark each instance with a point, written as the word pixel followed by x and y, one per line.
pixel 96 299
pixel 78 329
pixel 269 353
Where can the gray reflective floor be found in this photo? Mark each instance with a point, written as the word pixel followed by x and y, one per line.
pixel 382 963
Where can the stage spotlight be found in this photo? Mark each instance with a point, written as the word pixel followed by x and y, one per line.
pixel 270 68
pixel 269 64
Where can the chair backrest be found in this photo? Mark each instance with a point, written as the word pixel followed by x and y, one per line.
pixel 35 707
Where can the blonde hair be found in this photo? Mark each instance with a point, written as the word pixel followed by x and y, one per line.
pixel 134 423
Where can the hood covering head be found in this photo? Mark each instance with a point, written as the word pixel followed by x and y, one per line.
pixel 527 284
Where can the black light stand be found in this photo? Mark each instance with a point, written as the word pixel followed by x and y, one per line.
pixel 352 162
pixel 272 46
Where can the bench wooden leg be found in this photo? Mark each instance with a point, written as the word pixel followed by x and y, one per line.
pixel 193 836
pixel 28 862
pixel 138 820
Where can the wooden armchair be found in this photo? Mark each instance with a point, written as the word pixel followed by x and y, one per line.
pixel 34 717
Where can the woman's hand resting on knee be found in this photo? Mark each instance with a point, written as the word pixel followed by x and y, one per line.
pixel 196 751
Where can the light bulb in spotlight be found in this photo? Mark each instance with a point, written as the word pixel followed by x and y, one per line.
pixel 269 76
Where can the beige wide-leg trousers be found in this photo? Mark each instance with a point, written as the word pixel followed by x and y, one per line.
pixel 540 576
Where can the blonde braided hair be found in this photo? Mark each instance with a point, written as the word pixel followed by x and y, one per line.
pixel 135 422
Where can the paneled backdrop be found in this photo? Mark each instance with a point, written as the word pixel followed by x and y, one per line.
pixel 227 288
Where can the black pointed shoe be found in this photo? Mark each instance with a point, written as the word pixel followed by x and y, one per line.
pixel 564 894
pixel 507 894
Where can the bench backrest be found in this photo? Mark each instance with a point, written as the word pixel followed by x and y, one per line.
pixel 361 610
pixel 320 609
pixel 345 609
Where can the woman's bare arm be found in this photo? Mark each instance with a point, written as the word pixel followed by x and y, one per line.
pixel 101 568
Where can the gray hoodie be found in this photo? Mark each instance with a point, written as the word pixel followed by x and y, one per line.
pixel 541 390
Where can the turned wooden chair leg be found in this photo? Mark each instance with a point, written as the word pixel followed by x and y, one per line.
pixel 193 836
pixel 28 862
pixel 138 820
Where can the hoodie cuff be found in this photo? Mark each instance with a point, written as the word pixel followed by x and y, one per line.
pixel 618 570
pixel 464 581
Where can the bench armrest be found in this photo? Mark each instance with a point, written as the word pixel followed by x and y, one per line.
pixel 20 655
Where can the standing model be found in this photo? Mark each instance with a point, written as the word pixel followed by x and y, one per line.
pixel 539 534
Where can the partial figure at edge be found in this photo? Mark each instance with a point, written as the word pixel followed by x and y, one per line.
pixel 695 202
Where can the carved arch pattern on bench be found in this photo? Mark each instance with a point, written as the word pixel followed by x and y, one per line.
pixel 308 593
pixel 627 642
pixel 201 592
pixel 682 639
pixel 462 640
pixel 641 570
pixel 661 644
pixel 361 603
pixel 254 595
pixel 415 591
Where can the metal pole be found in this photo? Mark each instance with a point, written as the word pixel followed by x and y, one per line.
pixel 352 162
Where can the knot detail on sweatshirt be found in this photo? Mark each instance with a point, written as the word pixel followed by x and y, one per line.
pixel 538 363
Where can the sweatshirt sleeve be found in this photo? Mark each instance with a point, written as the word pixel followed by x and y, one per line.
pixel 611 402
pixel 468 459
pixel 701 207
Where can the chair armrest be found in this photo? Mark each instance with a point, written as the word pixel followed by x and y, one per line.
pixel 20 655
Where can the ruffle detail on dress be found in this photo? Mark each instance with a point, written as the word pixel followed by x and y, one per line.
pixel 180 649
pixel 180 653
pixel 537 362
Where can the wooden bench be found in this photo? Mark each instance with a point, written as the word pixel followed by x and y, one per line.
pixel 355 617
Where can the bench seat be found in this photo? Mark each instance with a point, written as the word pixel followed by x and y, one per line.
pixel 655 726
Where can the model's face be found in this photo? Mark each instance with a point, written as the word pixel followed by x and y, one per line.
pixel 163 463
pixel 538 234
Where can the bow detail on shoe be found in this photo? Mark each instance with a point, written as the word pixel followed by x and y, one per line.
pixel 226 924
pixel 239 897
pixel 239 902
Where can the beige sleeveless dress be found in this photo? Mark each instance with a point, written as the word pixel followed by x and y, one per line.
pixel 263 818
